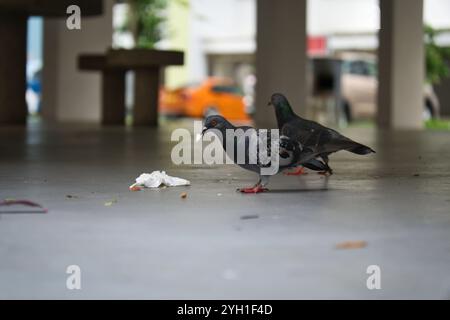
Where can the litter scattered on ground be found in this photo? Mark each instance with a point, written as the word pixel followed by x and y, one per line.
pixel 157 179
pixel 219 194
pixel 183 195
pixel 27 203
pixel 69 196
pixel 351 244
pixel 135 188
pixel 250 216
pixel 110 203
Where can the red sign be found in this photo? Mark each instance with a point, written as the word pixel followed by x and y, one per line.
pixel 317 45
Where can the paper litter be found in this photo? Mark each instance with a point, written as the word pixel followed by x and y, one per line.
pixel 157 179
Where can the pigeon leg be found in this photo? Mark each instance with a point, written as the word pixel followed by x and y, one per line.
pixel 327 170
pixel 297 172
pixel 257 188
pixel 250 189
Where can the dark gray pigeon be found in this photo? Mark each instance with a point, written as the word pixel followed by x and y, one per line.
pixel 316 142
pixel 287 158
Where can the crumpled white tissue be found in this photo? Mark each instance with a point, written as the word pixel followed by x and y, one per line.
pixel 158 178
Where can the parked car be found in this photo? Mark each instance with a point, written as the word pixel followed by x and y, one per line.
pixel 359 85
pixel 214 95
pixel 172 102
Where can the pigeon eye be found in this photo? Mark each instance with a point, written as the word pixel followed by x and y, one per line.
pixel 213 123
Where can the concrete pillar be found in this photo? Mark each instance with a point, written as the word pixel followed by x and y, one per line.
pixel 280 56
pixel 401 64
pixel 68 94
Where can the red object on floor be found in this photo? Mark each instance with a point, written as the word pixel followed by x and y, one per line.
pixel 27 203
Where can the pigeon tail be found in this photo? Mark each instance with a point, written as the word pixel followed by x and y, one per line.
pixel 360 149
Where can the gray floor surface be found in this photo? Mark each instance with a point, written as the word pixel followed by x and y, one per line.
pixel 218 243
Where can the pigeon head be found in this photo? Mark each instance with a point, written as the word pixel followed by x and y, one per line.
pixel 278 100
pixel 216 122
pixel 282 107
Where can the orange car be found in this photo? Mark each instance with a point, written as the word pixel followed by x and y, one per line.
pixel 171 102
pixel 214 95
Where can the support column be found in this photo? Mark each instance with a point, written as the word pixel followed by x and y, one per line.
pixel 13 37
pixel 280 56
pixel 67 94
pixel 401 65
pixel 146 86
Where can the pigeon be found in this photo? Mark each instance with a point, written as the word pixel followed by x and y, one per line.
pixel 315 142
pixel 288 154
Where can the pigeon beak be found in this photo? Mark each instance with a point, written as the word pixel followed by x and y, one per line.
pixel 199 136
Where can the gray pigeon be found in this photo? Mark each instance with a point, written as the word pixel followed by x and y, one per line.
pixel 312 139
pixel 286 159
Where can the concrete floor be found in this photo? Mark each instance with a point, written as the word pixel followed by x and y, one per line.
pixel 153 244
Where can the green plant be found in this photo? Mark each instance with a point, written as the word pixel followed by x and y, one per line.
pixel 438 124
pixel 145 21
pixel 436 57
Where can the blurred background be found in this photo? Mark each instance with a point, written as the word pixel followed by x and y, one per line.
pixel 219 41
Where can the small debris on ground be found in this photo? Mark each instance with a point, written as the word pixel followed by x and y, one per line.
pixel 69 196
pixel 28 203
pixel 183 195
pixel 250 216
pixel 416 175
pixel 351 244
pixel 135 188
pixel 110 203
pixel 219 194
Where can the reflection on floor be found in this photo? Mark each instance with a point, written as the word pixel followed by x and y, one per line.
pixel 216 242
